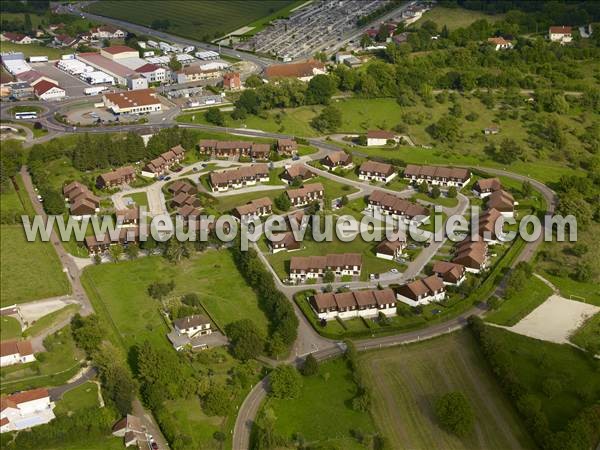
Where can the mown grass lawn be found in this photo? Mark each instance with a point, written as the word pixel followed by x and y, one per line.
pixel 102 443
pixel 82 397
pixel 322 412
pixel 588 335
pixel 10 328
pixel 443 201
pixel 120 291
pixel 455 18
pixel 407 380
pixel 514 308
pixel 139 198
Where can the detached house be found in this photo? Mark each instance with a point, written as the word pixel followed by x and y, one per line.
pixel 287 147
pixel 560 34
pixel 422 292
pixel 305 195
pixel 82 202
pixel 442 176
pixel 296 171
pixel 502 201
pixel 197 324
pixel 303 268
pixel 132 431
pixel 499 43
pixel 239 178
pixel 128 217
pixel 64 40
pixel 182 186
pixel 450 273
pixel 122 175
pixel 472 255
pixel 25 410
pixel 254 209
pixel 337 159
pixel 16 352
pixel 376 171
pixel 379 138
pixel 382 203
pixel 390 250
pixel 346 305
pixel 484 187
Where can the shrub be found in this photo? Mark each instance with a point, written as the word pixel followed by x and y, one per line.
pixel 454 413
pixel 285 382
pixel 310 366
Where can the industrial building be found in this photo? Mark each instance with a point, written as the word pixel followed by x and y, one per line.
pixel 141 101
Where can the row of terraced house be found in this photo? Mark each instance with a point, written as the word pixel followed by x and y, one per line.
pixel 241 149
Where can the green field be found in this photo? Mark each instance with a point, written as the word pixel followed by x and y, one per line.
pixel 407 380
pixel 140 198
pixel 120 292
pixel 50 320
pixel 82 397
pixel 588 335
pixel 322 413
pixel 35 50
pixel 455 18
pixel 200 19
pixel 10 329
pixel 513 309
pixel 30 270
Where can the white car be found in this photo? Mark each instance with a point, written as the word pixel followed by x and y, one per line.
pixel 394 270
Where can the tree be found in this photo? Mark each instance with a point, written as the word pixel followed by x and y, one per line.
pixel 526 189
pixel 310 366
pixel 132 251
pixel 177 250
pixel 455 413
pixel 215 116
pixel 573 203
pixel 320 89
pixel 423 187
pixel 87 332
pixel 282 202
pixel 507 153
pixel 447 129
pixel 54 203
pixel 217 401
pixel 285 382
pixel 435 192
pixel 28 27
pixel 344 200
pixel 452 192
pixel 365 41
pixel 115 251
pixel 117 382
pixel 253 81
pixel 249 102
pixel 174 65
pixel 191 300
pixel 328 120
pixel 159 291
pixel 328 277
pixel 247 341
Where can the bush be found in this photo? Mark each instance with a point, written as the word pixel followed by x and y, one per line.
pixel 454 413
pixel 310 366
pixel 285 382
pixel 217 401
pixel 247 341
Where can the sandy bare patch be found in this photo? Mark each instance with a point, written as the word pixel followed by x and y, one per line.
pixel 555 319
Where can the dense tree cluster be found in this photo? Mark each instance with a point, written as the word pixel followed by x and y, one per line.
pixel 582 432
pixel 283 323
pixel 455 414
pixel 285 382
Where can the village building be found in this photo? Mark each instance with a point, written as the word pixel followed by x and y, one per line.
pixel 127 235
pixel 45 90
pixel 232 81
pixel 502 201
pixel 25 409
pixel 254 209
pixel 118 177
pixel 434 175
pixel 225 149
pixel 16 352
pixel 499 43
pixel 472 255
pixel 239 177
pixel 487 226
pixel 296 172
pixel 560 34
pixel 390 250
pixel 287 147
pixel 107 32
pixel 451 273
pixel 376 171
pixel 260 151
pixel 140 101
pixel 422 292
pixel 16 38
pixel 491 130
pixel 182 186
pixel 159 165
pixel 132 431
pixel 64 40
pixel 306 194
pixel 304 71
pixel 337 159
pixel 285 241
pixel 379 138
pixel 128 217
pixel 347 305
pixel 191 74
pixel 383 203
pixel 197 324
pixel 303 268
pixel 484 187
pixel 188 211
pixel 82 202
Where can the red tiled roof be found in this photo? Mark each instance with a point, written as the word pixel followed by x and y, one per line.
pixel 44 86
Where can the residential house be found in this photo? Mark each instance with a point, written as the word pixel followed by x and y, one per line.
pixel 107 32
pixel 296 172
pixel 239 177
pixel 118 177
pixel 254 209
pixel 383 203
pixel 128 217
pixel 285 241
pixel 182 199
pixel 390 250
pixel 159 165
pixel 15 352
pixel 492 129
pixel 378 138
pixel 561 34
pixel 64 40
pixel 499 43
pixel 472 255
pixel 337 159
pixel 422 292
pixel 304 71
pixel 45 90
pixel 98 246
pixel 225 149
pixel 182 186
pixel 232 81
pixel 131 429
pixel 25 410
pixel 485 186
pixel 196 325
pixel 451 273
pixel 441 176
pixel 306 194
pixel 287 147
pixel 346 305
pixel 188 211
pixel 487 226
pixel 260 151
pixel 376 171
pixel 16 38
pixel 191 74
pixel 82 202
pixel 502 201
pixel 303 268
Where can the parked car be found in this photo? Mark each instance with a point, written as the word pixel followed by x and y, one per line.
pixel 295 158
pixel 167 178
pixel 394 270
pixel 195 169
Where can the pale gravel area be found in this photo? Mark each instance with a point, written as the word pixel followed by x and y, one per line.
pixel 32 311
pixel 555 319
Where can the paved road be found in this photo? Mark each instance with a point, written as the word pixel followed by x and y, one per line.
pixel 56 393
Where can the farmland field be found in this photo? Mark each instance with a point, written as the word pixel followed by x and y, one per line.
pixel 203 20
pixel 406 382
pixel 455 18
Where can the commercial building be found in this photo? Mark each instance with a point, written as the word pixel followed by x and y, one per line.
pixel 141 101
pixel 45 90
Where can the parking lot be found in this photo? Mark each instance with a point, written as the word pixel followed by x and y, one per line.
pixel 73 86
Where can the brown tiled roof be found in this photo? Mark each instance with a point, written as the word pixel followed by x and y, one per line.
pixel 132 423
pixel 433 283
pixel 298 170
pixel 128 214
pixel 188 210
pixel 560 30
pixel 487 184
pixel 498 40
pixel 305 190
pixel 261 149
pixel 426 286
pixel 384 296
pixel 338 157
pixel 191 321
pixel 323 262
pixel 117 174
pixel 128 99
pixel 116 49
pixel 450 272
pixel 298 70
pixel 253 206
pixel 437 172
pixel 287 240
pixel 501 200
pixel 389 247
pixel 377 167
pixel 24 397
pixel 365 298
pixel 239 173
pixel 380 134
pixel 397 205
pixel 14 347
pixel 286 143
pixel 325 300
